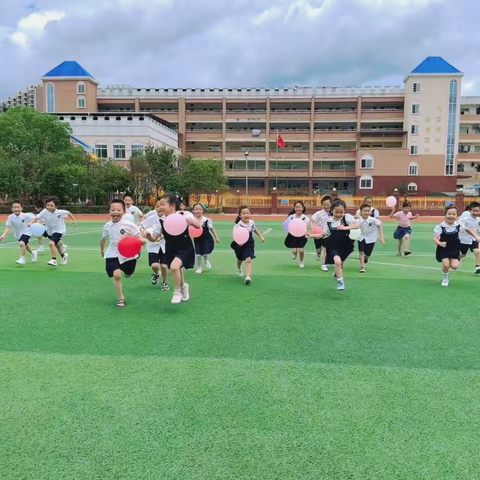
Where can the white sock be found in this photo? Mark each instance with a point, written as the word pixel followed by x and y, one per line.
pixel 198 261
pixel 445 275
pixel 340 279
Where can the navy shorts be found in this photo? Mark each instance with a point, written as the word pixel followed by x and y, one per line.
pixel 25 239
pixel 319 243
pixel 157 258
pixel 400 232
pixel 366 248
pixel 55 238
pixel 45 235
pixel 465 247
pixel 112 264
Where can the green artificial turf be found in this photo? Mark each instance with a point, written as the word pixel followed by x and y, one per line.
pixel 284 379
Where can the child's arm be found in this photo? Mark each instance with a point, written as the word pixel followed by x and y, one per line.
pixel 382 238
pixel 193 222
pixel 315 235
pixel 468 230
pixel 392 213
pixel 32 221
pixel 214 233
pixel 259 235
pixel 353 226
pixel 103 241
pixel 141 216
pixel 414 217
pixel 72 218
pixel 436 241
pixel 4 234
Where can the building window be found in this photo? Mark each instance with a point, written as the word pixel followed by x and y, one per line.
pixel 81 102
pixel 412 187
pixel 101 150
pixel 50 98
pixel 415 108
pixel 416 87
pixel 137 149
pixel 214 148
pixel 414 129
pixel 366 182
pixel 366 162
pixel 413 168
pixel 119 151
pixel 477 149
pixel 451 127
pixel 414 149
pixel 81 88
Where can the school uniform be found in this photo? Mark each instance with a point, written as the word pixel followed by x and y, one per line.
pixel 54 224
pixel 178 246
pixel 247 250
pixel 338 242
pixel 466 240
pixel 296 242
pixel 320 219
pixel 368 234
pixel 19 225
pixel 156 250
pixel 115 231
pixel 451 235
pixel 404 225
pixel 374 213
pixel 135 211
pixel 204 244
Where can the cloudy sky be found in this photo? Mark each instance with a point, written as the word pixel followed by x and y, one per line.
pixel 237 43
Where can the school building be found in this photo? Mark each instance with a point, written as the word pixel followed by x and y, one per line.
pixel 360 140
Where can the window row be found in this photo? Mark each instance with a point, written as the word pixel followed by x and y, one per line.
pixel 119 150
pixel 366 183
pixel 366 163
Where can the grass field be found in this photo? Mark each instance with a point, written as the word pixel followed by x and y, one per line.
pixel 285 379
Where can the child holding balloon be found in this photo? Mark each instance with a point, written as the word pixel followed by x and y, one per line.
pixel 131 209
pixel 338 243
pixel 404 218
pixel 319 219
pixel 295 240
pixel 203 240
pixel 370 227
pixel 243 243
pixel 373 211
pixel 180 254
pixel 116 231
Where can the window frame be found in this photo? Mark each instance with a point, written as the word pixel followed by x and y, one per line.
pixel 137 144
pixel 51 86
pixel 412 146
pixel 116 148
pixel 412 189
pixel 365 158
pixel 414 126
pixel 413 108
pixel 80 84
pixel 81 99
pixel 101 146
pixel 415 166
pixel 419 87
pixel 365 178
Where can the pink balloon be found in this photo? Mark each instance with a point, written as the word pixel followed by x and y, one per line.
pixel 316 230
pixel 195 232
pixel 297 228
pixel 391 202
pixel 240 235
pixel 175 224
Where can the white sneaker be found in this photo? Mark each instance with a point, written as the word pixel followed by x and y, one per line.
pixel 301 265
pixel 20 261
pixel 41 249
pixel 324 268
pixel 185 293
pixel 33 256
pixel 477 270
pixel 177 296
pixel 340 285
pixel 64 248
pixel 318 257
pixel 294 256
pixel 64 259
pixel 248 281
pixel 52 263
pixel 208 265
pixel 239 272
pixel 199 270
pixel 445 282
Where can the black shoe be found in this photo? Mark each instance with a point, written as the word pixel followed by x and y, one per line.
pixel 154 278
pixel 366 260
pixel 407 253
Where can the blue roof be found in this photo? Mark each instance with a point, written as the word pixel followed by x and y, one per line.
pixel 68 69
pixel 435 65
pixel 86 147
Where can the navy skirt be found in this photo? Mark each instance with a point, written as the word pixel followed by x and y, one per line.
pixel 295 242
pixel 400 232
pixel 204 245
pixel 242 252
pixel 452 252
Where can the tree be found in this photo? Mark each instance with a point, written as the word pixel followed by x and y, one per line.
pixel 140 177
pixel 12 182
pixel 24 130
pixel 204 177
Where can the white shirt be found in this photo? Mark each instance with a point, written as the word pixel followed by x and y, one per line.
pixel 136 212
pixel 152 221
pixel 151 213
pixel 321 218
pixel 54 221
pixel 369 229
pixel 471 223
pixel 158 227
pixel 464 215
pixel 376 214
pixel 336 223
pixel 208 220
pixel 115 232
pixel 303 218
pixel 250 225
pixel 19 224
pixel 449 228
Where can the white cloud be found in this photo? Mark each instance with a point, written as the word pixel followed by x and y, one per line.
pixel 31 27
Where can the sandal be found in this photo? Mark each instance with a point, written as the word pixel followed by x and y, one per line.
pixel 399 254
pixel 121 303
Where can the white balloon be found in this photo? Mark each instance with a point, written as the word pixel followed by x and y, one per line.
pixel 129 217
pixel 355 234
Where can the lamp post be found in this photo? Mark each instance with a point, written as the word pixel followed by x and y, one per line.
pixel 246 153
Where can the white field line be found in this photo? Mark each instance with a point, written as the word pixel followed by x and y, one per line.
pixel 68 235
pixel 267 231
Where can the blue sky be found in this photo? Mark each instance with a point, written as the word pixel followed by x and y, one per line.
pixel 237 43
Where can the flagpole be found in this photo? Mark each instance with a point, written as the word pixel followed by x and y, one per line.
pixel 276 164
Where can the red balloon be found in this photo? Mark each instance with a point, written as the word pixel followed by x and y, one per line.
pixel 129 246
pixel 195 232
pixel 316 230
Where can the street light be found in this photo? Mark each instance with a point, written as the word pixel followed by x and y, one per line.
pixel 246 153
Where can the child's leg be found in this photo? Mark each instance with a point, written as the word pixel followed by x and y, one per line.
pixel 117 284
pixel 361 257
pixel 23 248
pixel 164 273
pixel 338 267
pixel 28 248
pixel 248 267
pixel 454 264
pixel 239 264
pixel 294 253
pixel 155 268
pixel 407 243
pixel 53 248
pixel 301 254
pixel 476 252
pixel 205 258
pixel 40 241
pixel 176 271
pixel 446 266
pixel 198 261
pixel 400 241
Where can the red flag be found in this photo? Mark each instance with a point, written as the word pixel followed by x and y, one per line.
pixel 280 142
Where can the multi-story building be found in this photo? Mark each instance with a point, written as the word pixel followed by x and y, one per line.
pixel 362 140
pixel 30 97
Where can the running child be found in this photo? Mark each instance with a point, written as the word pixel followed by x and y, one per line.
pixel 39 206
pixel 467 242
pixel 132 209
pixel 55 229
pixel 246 252
pixel 204 244
pixel 18 221
pixel 370 227
pixel 319 219
pixel 156 250
pixel 297 244
pixel 373 211
pixel 447 238
pixel 404 218
pixel 338 243
pixel 466 213
pixel 115 264
pixel 180 254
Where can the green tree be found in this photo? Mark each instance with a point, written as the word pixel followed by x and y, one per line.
pixel 65 181
pixel 12 182
pixel 24 130
pixel 204 177
pixel 141 183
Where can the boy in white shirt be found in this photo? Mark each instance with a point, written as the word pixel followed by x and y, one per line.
pixel 116 229
pixel 21 231
pixel 472 222
pixel 55 228
pixel 370 227
pixel 133 210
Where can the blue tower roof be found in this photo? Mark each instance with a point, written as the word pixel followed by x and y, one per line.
pixel 435 65
pixel 68 69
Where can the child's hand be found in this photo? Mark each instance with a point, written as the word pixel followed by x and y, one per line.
pixel 217 240
pixel 262 240
pixel 308 235
pixel 342 227
pixel 2 238
pixel 102 254
pixel 443 244
pixel 417 216
pixel 382 241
